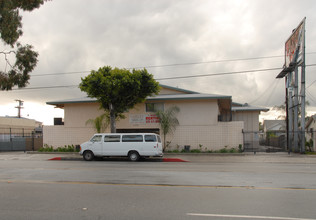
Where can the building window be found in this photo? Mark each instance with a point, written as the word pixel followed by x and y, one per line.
pixel 153 107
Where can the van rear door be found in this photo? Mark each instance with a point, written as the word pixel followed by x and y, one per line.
pixel 151 144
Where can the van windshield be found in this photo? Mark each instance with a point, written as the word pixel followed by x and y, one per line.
pixel 96 138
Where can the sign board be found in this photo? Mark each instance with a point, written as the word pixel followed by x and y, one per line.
pixel 143 119
pixel 294 45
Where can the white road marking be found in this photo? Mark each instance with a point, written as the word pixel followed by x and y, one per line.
pixel 247 216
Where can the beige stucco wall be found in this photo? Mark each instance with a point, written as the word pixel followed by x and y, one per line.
pixel 197 118
pixel 195 112
pixel 211 137
pixel 59 136
pixel 77 114
pixel 250 118
pixel 251 127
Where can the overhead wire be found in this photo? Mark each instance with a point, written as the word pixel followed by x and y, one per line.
pixel 311 97
pixel 264 92
pixel 271 92
pixel 174 64
pixel 178 77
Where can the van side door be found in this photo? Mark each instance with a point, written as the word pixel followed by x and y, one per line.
pixel 111 144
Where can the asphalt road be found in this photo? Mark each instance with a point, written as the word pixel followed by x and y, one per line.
pixel 246 187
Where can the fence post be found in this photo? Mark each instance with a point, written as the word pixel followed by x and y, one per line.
pixel 33 140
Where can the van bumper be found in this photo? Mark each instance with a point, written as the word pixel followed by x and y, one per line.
pixel 158 155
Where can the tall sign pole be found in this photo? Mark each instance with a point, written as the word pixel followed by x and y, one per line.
pixel 295 58
pixel 303 88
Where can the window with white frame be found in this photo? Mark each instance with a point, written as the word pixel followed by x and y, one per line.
pixel 153 107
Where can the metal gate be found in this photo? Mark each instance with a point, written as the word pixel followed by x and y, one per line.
pixel 20 139
pixel 255 141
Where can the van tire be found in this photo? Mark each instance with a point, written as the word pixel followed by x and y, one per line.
pixel 88 155
pixel 133 156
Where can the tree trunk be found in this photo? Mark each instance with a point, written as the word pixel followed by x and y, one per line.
pixel 164 142
pixel 112 119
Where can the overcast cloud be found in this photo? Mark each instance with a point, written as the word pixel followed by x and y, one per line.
pixel 79 35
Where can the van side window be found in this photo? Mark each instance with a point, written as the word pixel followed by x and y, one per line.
pixel 112 138
pixel 150 138
pixel 132 138
pixel 96 138
pixel 159 139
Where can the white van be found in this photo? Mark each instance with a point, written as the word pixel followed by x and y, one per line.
pixel 131 145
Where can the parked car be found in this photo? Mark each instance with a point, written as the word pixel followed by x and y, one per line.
pixel 131 145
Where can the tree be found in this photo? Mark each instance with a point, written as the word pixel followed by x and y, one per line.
pixel 168 121
pixel 282 111
pixel 10 32
pixel 118 90
pixel 100 123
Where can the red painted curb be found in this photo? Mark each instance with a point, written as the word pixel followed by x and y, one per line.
pixel 173 160
pixel 55 158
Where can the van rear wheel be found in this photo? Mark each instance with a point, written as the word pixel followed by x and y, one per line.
pixel 133 156
pixel 88 155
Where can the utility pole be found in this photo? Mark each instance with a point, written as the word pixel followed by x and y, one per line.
pixel 19 107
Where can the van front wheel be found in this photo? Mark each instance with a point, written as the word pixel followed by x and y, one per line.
pixel 88 155
pixel 133 156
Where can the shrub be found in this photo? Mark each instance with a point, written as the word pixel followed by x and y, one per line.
pixel 195 151
pixel 69 148
pixel 223 150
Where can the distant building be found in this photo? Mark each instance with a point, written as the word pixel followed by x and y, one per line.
pixel 274 126
pixel 18 125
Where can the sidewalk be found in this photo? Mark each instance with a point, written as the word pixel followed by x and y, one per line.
pixel 282 157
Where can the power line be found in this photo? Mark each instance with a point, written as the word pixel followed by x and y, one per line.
pixel 170 65
pixel 220 74
pixel 265 91
pixel 62 73
pixel 176 77
pixel 205 62
pixel 44 87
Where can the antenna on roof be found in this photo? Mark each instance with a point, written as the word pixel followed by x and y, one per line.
pixel 19 107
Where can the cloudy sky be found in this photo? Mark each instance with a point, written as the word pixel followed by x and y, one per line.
pixel 171 38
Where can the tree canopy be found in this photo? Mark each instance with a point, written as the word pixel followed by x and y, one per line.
pixel 10 32
pixel 118 90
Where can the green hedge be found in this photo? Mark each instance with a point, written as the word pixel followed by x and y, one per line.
pixel 69 148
